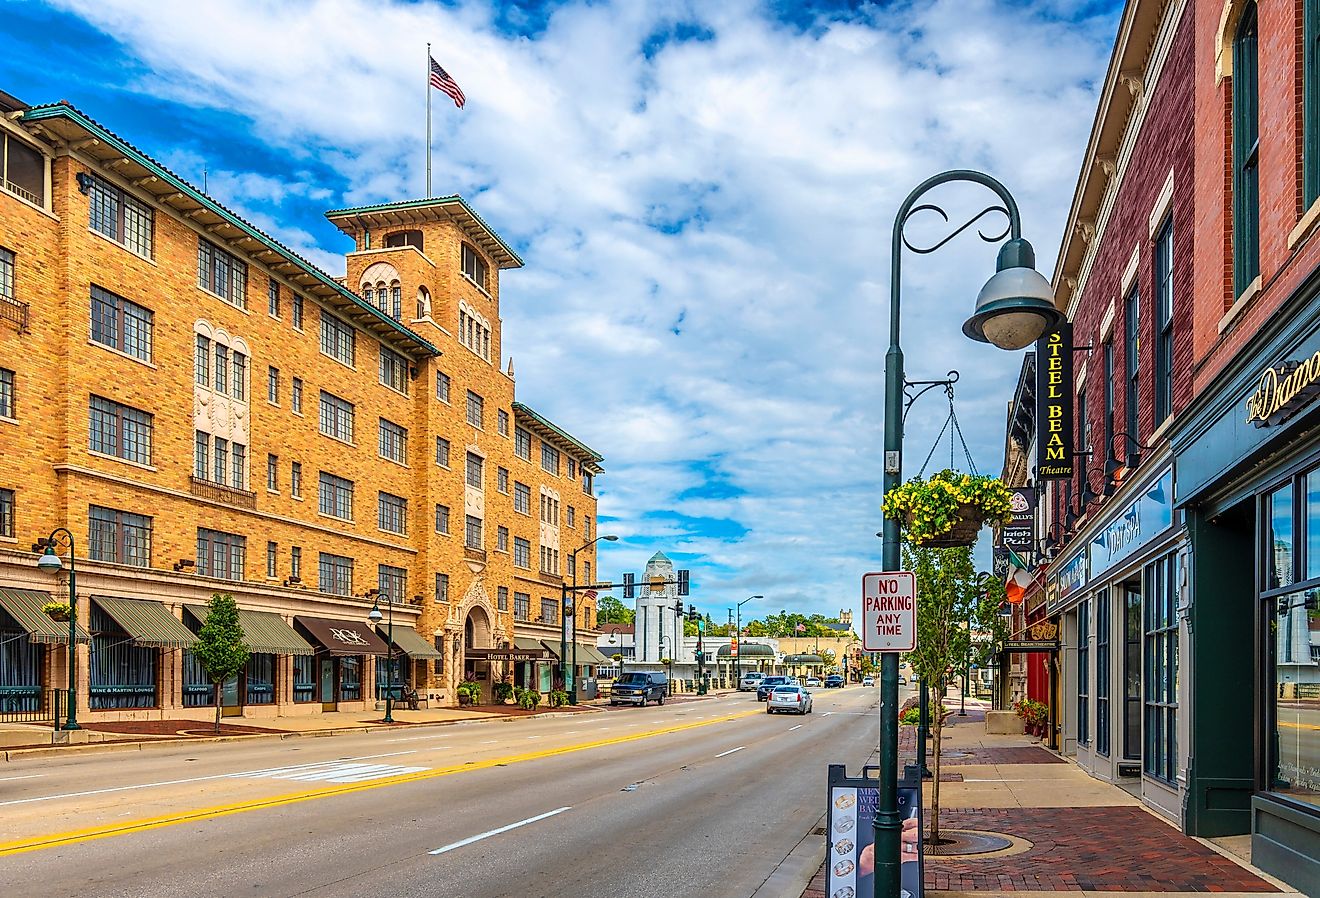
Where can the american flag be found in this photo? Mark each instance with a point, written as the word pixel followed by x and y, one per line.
pixel 440 80
pixel 589 594
pixel 801 628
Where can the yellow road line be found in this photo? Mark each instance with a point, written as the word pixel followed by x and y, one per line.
pixel 1299 726
pixel 56 840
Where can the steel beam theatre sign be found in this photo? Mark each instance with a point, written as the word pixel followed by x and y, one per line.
pixel 889 611
pixel 1054 404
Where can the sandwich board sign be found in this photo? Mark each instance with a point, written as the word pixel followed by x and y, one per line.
pixel 889 611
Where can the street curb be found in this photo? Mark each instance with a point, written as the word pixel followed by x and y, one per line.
pixel 791 878
pixel 173 742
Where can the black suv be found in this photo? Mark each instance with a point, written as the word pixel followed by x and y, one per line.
pixel 834 681
pixel 769 683
pixel 639 687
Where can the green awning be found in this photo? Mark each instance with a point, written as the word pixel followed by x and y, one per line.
pixel 264 632
pixel 807 660
pixel 527 642
pixel 24 606
pixel 593 655
pixel 410 642
pixel 747 650
pixel 148 622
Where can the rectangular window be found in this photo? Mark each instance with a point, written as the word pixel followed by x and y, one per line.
pixel 222 273
pixel 1246 152
pixel 522 498
pixel 1083 673
pixel 336 497
pixel 1164 323
pixel 522 606
pixel 442 386
pixel 442 587
pixel 392 513
pixel 502 480
pixel 572 516
pixel 475 409
pixel 502 598
pixel 22 170
pixel 1311 102
pixel 119 430
pixel 337 339
pixel 502 539
pixel 472 533
pixel 572 566
pixel 1293 650
pixel 7 513
pixel 1102 626
pixel 6 274
pixel 272 559
pixel 121 324
pixel 272 472
pixel 8 406
pixel 549 459
pixel 393 370
pixel 119 537
pixel 221 368
pixel 295 399
pixel 121 217
pixel 295 480
pixel 588 482
pixel 1132 349
pixel 220 554
pixel 549 611
pixel 297 311
pixel 475 468
pixel 586 526
pixel 502 422
pixel 273 385
pixel 522 553
pixel 221 455
pixel 522 443
pixel 273 299
pixel 334 574
pixel 202 361
pixel 442 452
pixel 1109 395
pixel 336 417
pixel 393 442
pixel 1160 758
pixel 442 519
pixel 240 377
pixel 586 571
pixel 202 455
pixel 295 563
pixel 240 478
pixel 549 560
pixel 392 583
pixel 474 267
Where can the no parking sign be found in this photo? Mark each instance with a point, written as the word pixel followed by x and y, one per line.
pixel 889 611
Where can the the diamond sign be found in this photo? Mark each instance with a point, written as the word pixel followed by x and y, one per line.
pixel 889 611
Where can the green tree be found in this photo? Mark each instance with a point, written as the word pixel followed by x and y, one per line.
pixel 610 610
pixel 828 656
pixel 220 648
pixel 950 595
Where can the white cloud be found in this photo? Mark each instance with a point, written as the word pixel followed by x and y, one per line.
pixel 739 189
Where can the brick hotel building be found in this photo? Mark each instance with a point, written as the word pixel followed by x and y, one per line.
pixel 206 411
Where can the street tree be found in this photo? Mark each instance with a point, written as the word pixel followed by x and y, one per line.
pixel 610 610
pixel 220 648
pixel 950 595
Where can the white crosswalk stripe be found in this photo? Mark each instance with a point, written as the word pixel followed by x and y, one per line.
pixel 332 772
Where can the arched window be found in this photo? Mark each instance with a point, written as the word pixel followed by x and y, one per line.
pixel 423 303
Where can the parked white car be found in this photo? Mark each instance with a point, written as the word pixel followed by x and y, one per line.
pixel 813 681
pixel 789 698
pixel 750 681
pixel 868 680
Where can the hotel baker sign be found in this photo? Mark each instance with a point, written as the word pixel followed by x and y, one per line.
pixel 1054 404
pixel 1282 391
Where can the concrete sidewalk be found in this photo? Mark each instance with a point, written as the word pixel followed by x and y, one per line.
pixel 1071 834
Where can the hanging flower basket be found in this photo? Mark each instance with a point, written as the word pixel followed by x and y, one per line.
pixel 949 509
pixel 57 611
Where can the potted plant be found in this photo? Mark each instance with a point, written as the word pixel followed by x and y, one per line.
pixel 527 699
pixel 558 698
pixel 58 611
pixel 949 509
pixel 503 692
pixel 468 692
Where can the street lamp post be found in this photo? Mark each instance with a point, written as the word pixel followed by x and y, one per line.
pixel 669 668
pixel 1013 309
pixel 737 659
pixel 50 563
pixel 568 610
pixel 374 616
pixel 618 631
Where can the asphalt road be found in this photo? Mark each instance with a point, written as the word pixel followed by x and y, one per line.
pixel 695 799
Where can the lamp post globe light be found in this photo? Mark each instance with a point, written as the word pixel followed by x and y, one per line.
pixel 375 616
pixel 51 564
pixel 1013 310
pixel 737 659
pixel 568 620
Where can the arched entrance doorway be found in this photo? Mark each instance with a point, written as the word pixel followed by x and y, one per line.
pixel 477 634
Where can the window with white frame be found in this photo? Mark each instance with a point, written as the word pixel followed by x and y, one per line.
pixel 7 274
pixel 297 312
pixel 272 472
pixel 272 385
pixel 295 395
pixel 7 513
pixel 295 480
pixel 8 403
pixel 273 299
pixel 442 384
pixel 474 267
pixel 22 169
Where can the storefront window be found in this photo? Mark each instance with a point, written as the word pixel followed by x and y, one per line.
pixel 400 678
pixel 350 682
pixel 121 674
pixel 260 688
pixel 304 678
pixel 1295 623
pixel 1313 524
pixel 197 689
pixel 1102 615
pixel 1279 563
pixel 1161 701
pixel 20 668
pixel 1083 673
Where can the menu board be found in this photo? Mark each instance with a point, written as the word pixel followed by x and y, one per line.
pixel 850 841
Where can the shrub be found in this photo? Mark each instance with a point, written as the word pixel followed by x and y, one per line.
pixel 503 691
pixel 558 698
pixel 910 717
pixel 528 699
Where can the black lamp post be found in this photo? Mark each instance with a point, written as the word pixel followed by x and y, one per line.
pixel 568 626
pixel 50 563
pixel 618 631
pixel 374 616
pixel 669 668
pixel 1013 310
pixel 737 659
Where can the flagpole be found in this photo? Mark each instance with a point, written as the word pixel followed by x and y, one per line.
pixel 428 120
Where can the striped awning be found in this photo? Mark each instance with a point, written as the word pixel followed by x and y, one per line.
pixel 410 642
pixel 149 623
pixel 264 632
pixel 24 606
pixel 804 659
pixel 528 643
pixel 592 655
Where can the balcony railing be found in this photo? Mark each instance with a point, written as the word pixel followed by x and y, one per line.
pixel 218 492
pixel 15 312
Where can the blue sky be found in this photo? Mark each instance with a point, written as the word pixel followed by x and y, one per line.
pixel 703 194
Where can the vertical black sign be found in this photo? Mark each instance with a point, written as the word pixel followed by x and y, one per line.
pixel 1054 404
pixel 1020 534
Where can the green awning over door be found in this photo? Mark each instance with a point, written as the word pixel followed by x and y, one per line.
pixel 410 642
pixel 149 623
pixel 24 606
pixel 264 632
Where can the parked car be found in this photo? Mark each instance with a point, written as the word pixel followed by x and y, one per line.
pixel 834 681
pixel 767 683
pixel 868 680
pixel 902 681
pixel 638 688
pixel 750 681
pixel 789 698
pixel 813 681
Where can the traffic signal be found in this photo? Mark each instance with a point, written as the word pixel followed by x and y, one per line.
pixel 692 613
pixel 682 583
pixel 701 656
pixel 629 586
